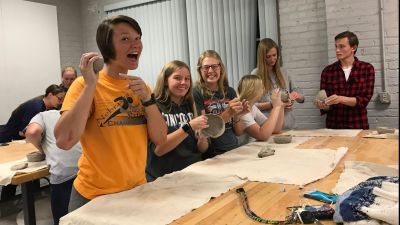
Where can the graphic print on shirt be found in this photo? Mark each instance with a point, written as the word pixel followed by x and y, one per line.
pixel 177 120
pixel 215 106
pixel 122 113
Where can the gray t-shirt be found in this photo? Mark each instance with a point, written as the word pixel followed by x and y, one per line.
pixel 216 105
pixel 289 119
pixel 63 164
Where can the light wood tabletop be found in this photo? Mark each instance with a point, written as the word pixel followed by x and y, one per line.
pixel 270 200
pixel 18 150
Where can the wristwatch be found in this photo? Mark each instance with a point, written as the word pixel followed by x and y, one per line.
pixel 152 101
pixel 187 128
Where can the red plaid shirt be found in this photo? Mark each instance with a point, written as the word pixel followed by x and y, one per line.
pixel 359 85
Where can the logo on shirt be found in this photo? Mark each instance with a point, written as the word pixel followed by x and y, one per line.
pixel 123 112
pixel 177 120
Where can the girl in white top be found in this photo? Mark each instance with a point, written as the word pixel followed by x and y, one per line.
pixel 256 124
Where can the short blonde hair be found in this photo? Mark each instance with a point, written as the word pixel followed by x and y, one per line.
pixel 249 86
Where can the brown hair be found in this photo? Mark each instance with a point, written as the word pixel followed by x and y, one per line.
pixel 105 33
pixel 161 90
pixel 353 40
pixel 264 47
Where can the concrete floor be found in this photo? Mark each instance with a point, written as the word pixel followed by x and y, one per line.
pixel 11 211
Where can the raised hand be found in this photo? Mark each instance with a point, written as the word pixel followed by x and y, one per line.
pixel 138 86
pixel 276 98
pixel 86 68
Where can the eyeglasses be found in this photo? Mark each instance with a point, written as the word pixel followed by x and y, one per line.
pixel 205 68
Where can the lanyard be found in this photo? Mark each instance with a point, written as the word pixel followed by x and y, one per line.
pixel 251 214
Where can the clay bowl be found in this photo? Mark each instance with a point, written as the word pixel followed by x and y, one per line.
pixel 35 156
pixel 216 126
pixel 385 130
pixel 321 96
pixel 283 139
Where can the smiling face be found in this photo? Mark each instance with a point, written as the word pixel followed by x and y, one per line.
pixel 178 84
pixel 128 47
pixel 211 72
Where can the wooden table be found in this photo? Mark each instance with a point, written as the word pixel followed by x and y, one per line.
pixel 268 201
pixel 16 151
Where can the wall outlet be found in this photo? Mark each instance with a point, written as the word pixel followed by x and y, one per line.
pixel 384 97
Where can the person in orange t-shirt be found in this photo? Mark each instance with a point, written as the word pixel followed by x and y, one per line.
pixel 111 114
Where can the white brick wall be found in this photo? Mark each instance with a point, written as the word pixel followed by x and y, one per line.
pixel 308 29
pixel 69 30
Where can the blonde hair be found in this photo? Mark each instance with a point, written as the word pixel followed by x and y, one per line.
pixel 248 87
pixel 161 90
pixel 264 47
pixel 223 80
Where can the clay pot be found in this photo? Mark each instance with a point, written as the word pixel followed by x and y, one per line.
pixel 385 130
pixel 283 139
pixel 266 151
pixel 285 96
pixel 321 96
pixel 216 126
pixel 35 157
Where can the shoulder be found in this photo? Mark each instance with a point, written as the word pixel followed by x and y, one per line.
pixel 363 64
pixel 231 92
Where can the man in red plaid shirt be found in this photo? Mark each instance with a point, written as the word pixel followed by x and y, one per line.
pixel 349 84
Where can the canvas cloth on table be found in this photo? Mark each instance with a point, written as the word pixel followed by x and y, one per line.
pixel 287 166
pixel 159 202
pixel 374 134
pixel 324 133
pixel 356 172
pixel 6 174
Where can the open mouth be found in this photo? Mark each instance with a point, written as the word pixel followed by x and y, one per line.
pixel 133 56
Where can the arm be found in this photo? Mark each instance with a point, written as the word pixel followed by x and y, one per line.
pixel 176 137
pixel 34 134
pixel 263 106
pixel 238 125
pixel 154 119
pixel 72 123
pixel 274 122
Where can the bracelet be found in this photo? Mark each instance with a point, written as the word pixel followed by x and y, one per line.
pixel 152 101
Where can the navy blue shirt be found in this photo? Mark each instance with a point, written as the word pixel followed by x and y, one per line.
pixel 20 118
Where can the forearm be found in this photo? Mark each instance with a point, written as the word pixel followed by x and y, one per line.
pixel 173 140
pixel 202 144
pixel 263 106
pixel 72 123
pixel 349 101
pixel 279 123
pixel 227 115
pixel 155 119
pixel 35 139
pixel 274 121
pixel 238 126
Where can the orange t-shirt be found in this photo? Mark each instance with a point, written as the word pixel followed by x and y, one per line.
pixel 114 142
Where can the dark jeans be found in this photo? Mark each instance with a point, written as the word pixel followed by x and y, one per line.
pixel 60 194
pixel 76 200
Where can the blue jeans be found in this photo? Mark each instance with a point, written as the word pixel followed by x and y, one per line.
pixel 60 194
